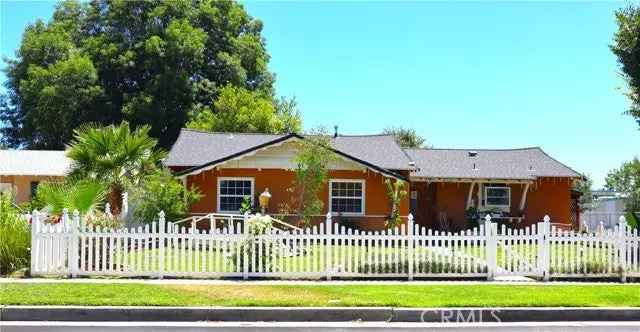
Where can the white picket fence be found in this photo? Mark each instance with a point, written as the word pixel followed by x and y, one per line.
pixel 162 249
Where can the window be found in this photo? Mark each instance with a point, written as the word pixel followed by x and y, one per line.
pixel 347 196
pixel 34 188
pixel 232 191
pixel 497 196
pixel 6 188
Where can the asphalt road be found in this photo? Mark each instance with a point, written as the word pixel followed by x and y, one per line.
pixel 310 326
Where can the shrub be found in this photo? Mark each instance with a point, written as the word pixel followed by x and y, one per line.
pixel 104 221
pixel 86 196
pixel 258 225
pixel 15 238
pixel 395 192
pixel 161 191
pixel 632 220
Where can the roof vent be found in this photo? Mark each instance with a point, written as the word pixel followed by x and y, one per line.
pixel 473 154
pixel 412 164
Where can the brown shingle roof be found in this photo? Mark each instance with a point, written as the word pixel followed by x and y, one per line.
pixel 196 148
pixel 525 163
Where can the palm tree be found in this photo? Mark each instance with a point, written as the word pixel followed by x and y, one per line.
pixel 85 196
pixel 114 155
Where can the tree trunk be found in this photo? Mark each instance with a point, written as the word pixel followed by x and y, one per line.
pixel 115 200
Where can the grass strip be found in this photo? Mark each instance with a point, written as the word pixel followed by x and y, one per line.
pixel 464 295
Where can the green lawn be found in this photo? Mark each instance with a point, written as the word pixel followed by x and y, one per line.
pixel 379 259
pixel 402 295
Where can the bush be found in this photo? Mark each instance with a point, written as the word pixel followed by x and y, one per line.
pixel 161 191
pixel 15 238
pixel 258 225
pixel 632 220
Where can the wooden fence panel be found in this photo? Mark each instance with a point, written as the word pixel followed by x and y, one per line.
pixel 162 249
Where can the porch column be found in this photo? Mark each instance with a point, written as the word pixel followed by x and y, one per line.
pixel 479 195
pixel 470 195
pixel 523 199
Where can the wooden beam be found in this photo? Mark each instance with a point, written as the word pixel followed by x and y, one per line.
pixel 523 200
pixel 469 196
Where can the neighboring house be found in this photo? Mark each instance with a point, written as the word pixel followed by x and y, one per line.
pixel 607 208
pixel 22 170
pixel 519 186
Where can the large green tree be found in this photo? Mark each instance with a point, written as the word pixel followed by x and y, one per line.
pixel 406 137
pixel 147 62
pixel 626 179
pixel 626 46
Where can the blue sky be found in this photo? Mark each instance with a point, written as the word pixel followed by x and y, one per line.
pixel 479 74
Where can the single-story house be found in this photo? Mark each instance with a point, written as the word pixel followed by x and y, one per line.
pixel 22 170
pixel 445 186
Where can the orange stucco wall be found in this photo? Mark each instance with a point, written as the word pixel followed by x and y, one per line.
pixel 279 181
pixel 22 184
pixel 550 196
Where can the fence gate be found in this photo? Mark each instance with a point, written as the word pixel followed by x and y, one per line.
pixel 518 251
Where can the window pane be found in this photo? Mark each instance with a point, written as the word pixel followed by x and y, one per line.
pixel 232 193
pixel 346 197
pixel 497 196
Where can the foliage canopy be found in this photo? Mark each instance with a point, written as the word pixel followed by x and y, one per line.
pixel 626 179
pixel 626 47
pixel 146 62
pixel 406 137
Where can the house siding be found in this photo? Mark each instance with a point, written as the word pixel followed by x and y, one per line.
pixel 22 184
pixel 377 205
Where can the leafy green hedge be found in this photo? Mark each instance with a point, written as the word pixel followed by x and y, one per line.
pixel 15 238
pixel 632 220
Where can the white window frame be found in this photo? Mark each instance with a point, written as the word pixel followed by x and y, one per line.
pixel 218 191
pixel 499 206
pixel 362 199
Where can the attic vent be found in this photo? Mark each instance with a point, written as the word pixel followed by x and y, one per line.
pixel 473 154
pixel 531 169
pixel 475 168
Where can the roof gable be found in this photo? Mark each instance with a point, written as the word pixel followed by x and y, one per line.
pixel 199 150
pixel 526 163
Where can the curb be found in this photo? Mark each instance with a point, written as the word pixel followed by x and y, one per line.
pixel 336 314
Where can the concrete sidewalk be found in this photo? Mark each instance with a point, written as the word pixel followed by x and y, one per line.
pixel 315 326
pixel 500 281
pixel 306 314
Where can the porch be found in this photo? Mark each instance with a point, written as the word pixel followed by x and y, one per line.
pixel 458 204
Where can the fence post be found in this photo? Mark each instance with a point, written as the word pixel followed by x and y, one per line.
pixel 35 227
pixel 245 249
pixel 410 230
pixel 491 247
pixel 622 247
pixel 125 205
pixel 74 255
pixel 544 247
pixel 329 252
pixel 161 245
